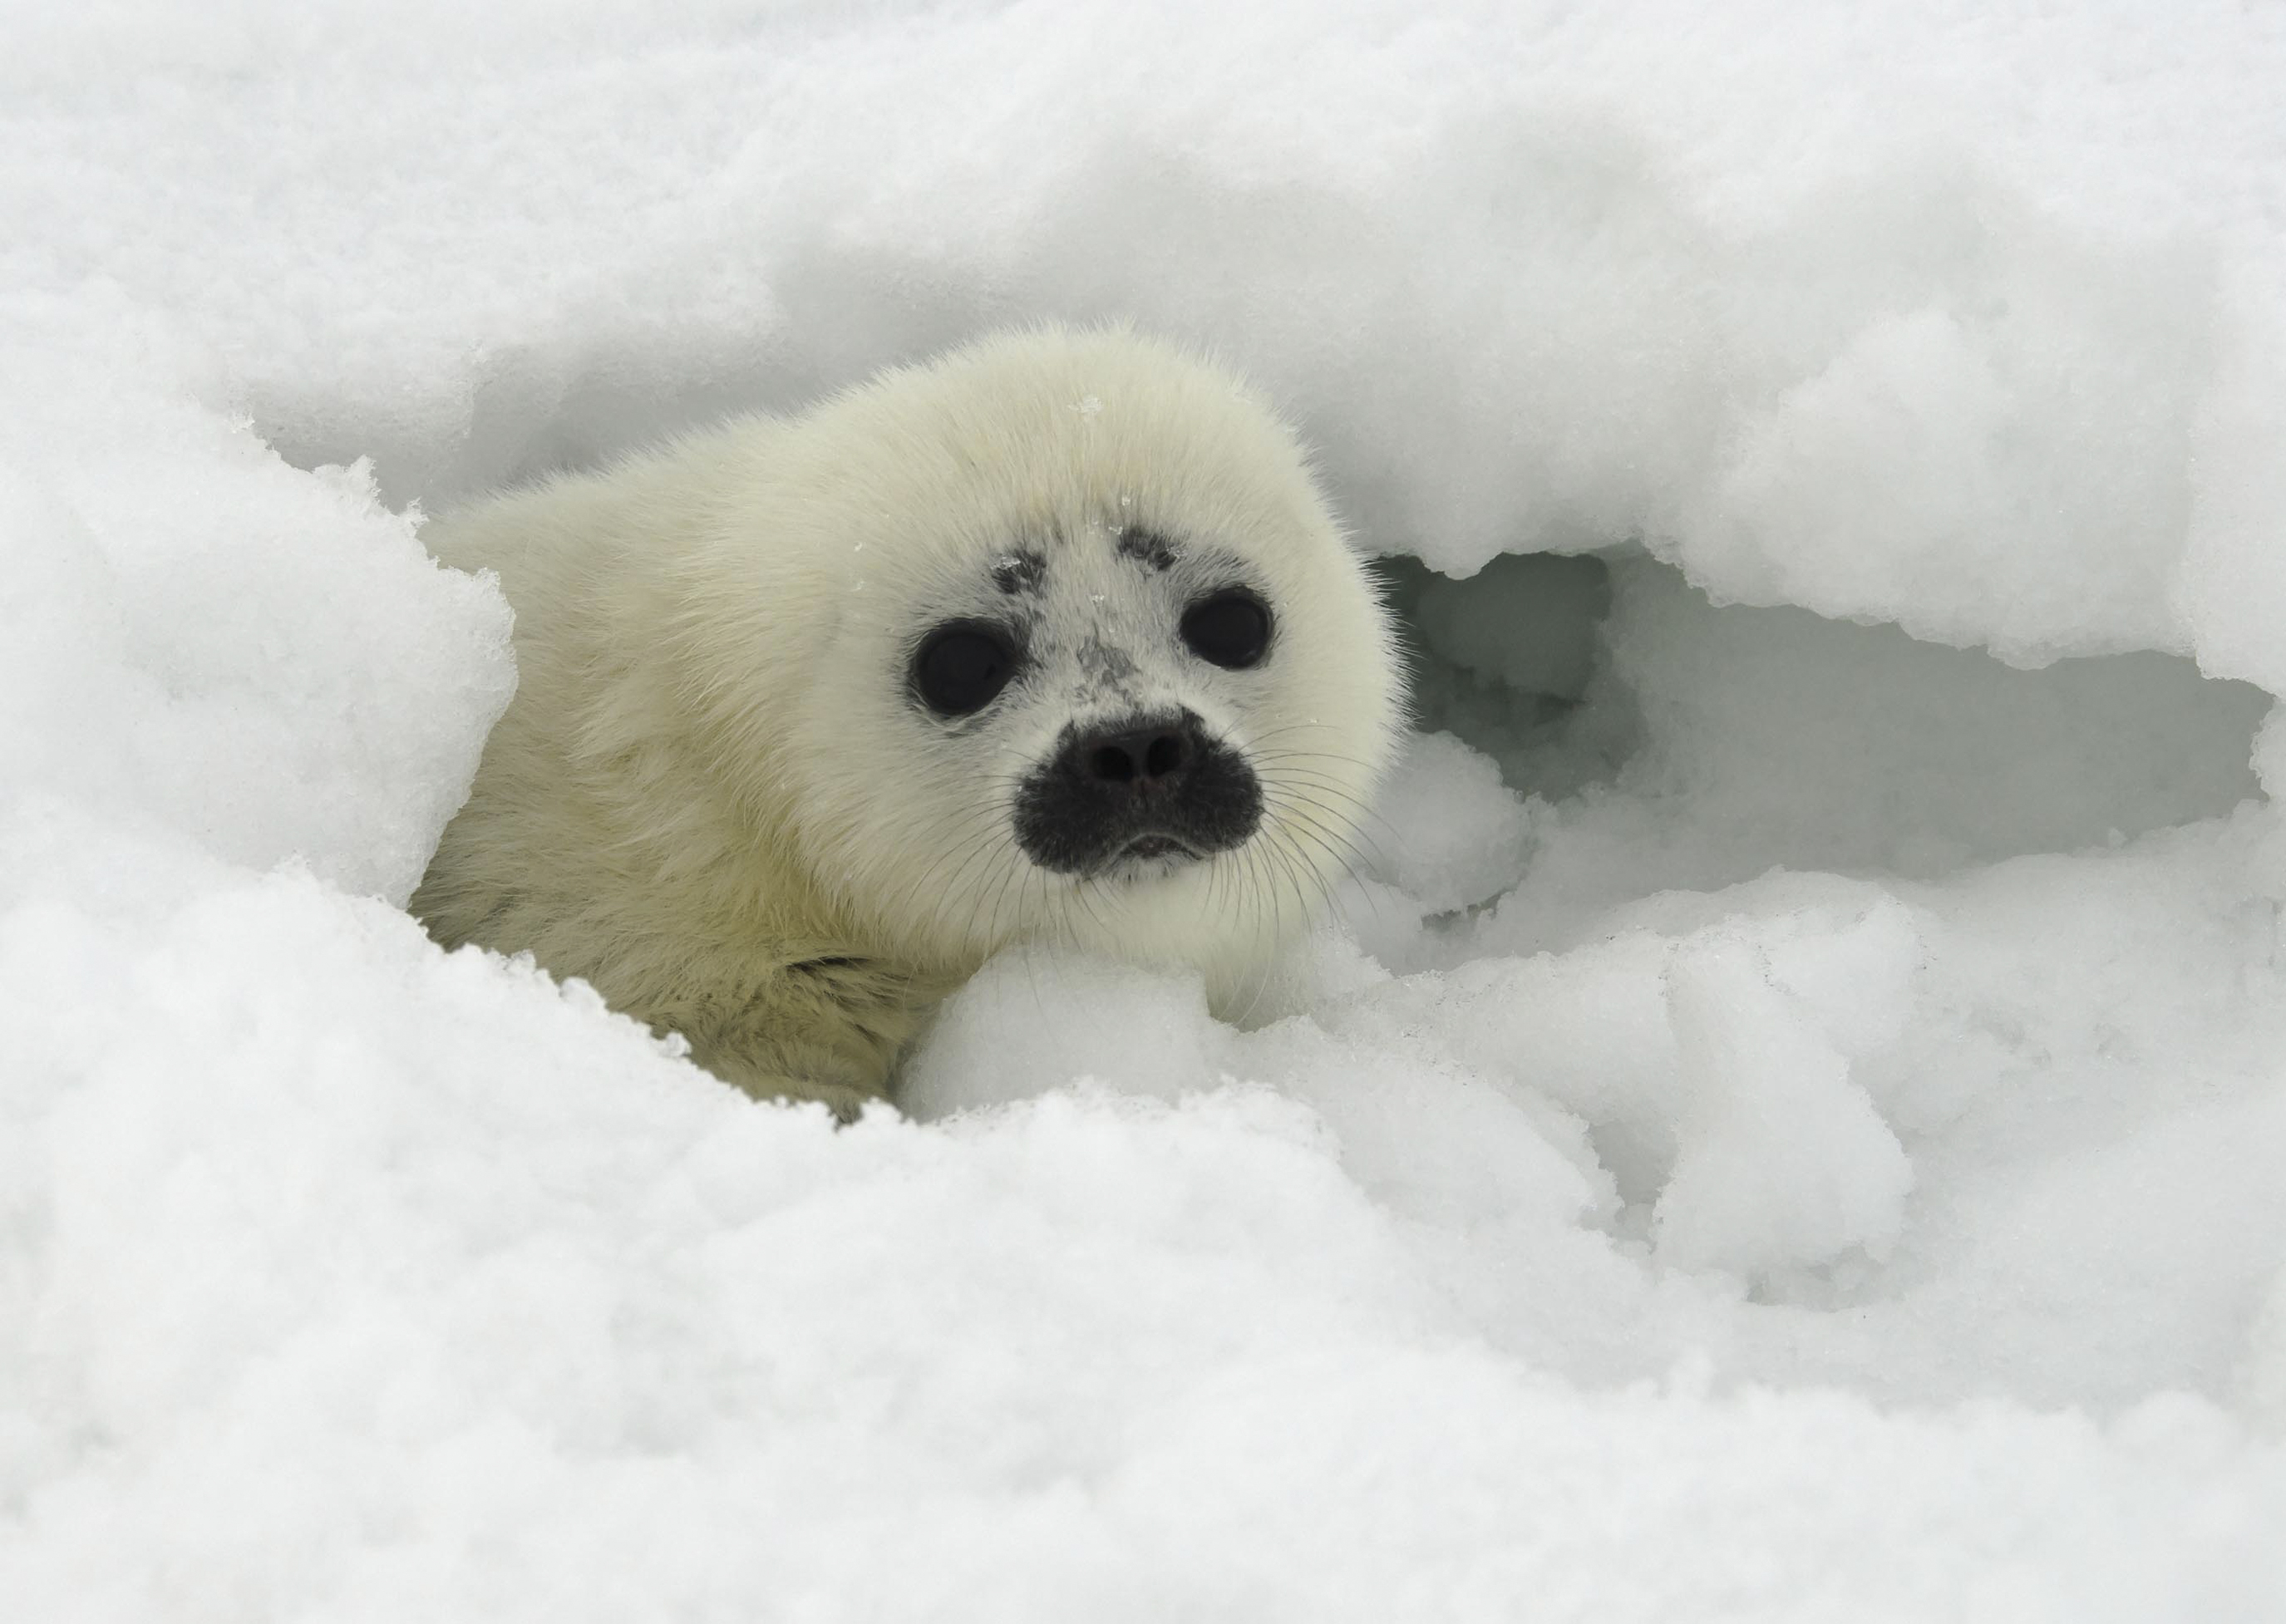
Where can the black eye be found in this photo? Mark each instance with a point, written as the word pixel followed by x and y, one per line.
pixel 961 666
pixel 1230 628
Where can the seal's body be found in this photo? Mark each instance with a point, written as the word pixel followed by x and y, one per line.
pixel 1053 638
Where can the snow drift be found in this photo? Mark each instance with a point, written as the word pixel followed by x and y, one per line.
pixel 1787 1126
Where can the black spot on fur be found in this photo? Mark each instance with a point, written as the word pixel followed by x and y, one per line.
pixel 1020 574
pixel 818 967
pixel 1145 546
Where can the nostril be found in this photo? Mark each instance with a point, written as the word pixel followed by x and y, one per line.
pixel 1112 765
pixel 1154 756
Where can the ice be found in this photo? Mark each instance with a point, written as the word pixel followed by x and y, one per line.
pixel 1805 742
pixel 213 642
pixel 1786 1121
pixel 1143 1032
pixel 1527 622
pixel 2028 389
pixel 1784 1162
pixel 1448 833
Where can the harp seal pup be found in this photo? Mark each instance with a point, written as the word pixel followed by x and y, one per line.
pixel 1052 639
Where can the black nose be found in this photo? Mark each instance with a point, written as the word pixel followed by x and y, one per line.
pixel 1139 785
pixel 1142 758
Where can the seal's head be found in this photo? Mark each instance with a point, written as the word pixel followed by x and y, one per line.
pixel 1088 659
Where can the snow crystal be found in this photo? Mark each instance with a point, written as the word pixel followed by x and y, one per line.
pixel 1785 1122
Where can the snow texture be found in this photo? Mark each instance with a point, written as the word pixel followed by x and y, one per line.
pixel 1787 1125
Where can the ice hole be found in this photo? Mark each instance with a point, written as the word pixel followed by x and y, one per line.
pixel 1664 741
pixel 1504 661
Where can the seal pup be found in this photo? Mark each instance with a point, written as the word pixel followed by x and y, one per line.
pixel 1052 639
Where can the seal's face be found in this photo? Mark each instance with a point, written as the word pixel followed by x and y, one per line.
pixel 1101 668
pixel 1128 635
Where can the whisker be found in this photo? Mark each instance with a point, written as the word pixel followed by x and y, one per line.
pixel 1347 835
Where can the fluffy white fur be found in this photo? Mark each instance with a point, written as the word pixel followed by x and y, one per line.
pixel 715 796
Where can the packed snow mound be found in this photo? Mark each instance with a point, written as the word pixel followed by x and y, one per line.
pixel 1786 1118
pixel 1820 307
pixel 196 637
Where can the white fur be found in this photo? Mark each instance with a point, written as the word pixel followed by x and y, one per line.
pixel 714 769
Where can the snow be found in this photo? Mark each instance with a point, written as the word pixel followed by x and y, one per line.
pixel 1787 1125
